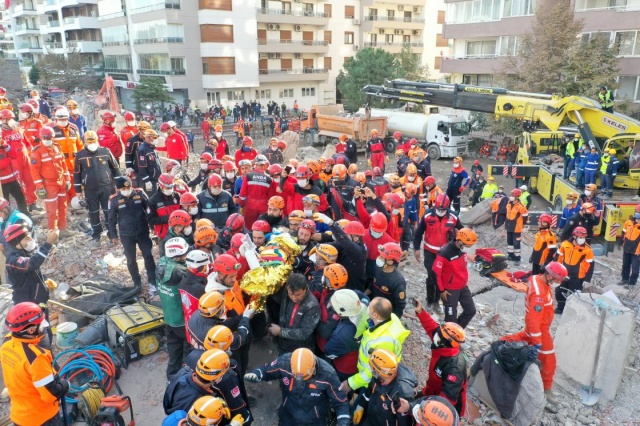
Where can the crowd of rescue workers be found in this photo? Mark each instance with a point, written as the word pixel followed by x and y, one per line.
pixel 337 318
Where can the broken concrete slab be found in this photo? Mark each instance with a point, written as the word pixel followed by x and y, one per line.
pixel 478 214
pixel 576 338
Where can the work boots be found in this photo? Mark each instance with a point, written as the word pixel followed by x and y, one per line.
pixel 552 397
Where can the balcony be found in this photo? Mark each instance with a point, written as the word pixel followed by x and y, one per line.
pixel 398 2
pixel 416 47
pixel 22 29
pixel 289 75
pixel 473 65
pixel 24 10
pixel 112 15
pixel 159 40
pixel 54 47
pixel 292 46
pixel 68 3
pixel 375 22
pixel 167 4
pixel 52 26
pixel 115 43
pixel 80 23
pixel 160 72
pixel 295 17
pixel 85 46
pixel 28 48
pixel 119 70
pixel 48 6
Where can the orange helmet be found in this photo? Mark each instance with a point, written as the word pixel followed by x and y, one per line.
pixel 212 365
pixel 453 333
pixel 410 190
pixel 374 132
pixel 211 304
pixel 352 169
pixel 218 337
pixel 383 363
pixel 580 232
pixel 326 251
pixel 203 222
pixel 339 172
pixel 218 128
pixel 467 236
pixel 588 208
pixel 343 138
pixel 335 276
pixel 394 199
pixel 390 251
pixel 412 170
pixel 378 222
pixel 361 178
pixel 179 217
pixel 436 411
pixel 205 235
pixel 314 166
pixel 276 202
pixel 303 363
pixel 296 216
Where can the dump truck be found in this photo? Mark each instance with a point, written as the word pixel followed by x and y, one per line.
pixel 324 124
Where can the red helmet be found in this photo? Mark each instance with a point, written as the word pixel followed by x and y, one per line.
pixel 171 164
pixel 228 166
pixel 397 135
pixel 429 180
pixel 205 156
pixel 442 202
pixel 6 114
pixel 354 228
pixel 46 133
pixel 413 141
pixel 188 199
pixel 129 116
pixel 580 232
pixel 108 115
pixel 236 240
pixel 390 251
pixel 546 218
pixel 23 315
pixel 377 171
pixel 309 225
pixel 164 127
pixel 274 170
pixel 515 192
pixel 28 108
pixel 3 91
pixel 34 104
pixel 395 200
pixel 282 145
pixel 179 217
pixel 247 141
pixel 331 162
pixel 215 164
pixel 15 233
pixel 378 222
pixel 262 226
pixel 214 181
pixel 165 180
pixel 476 162
pixel 303 172
pixel 235 222
pixel 557 271
pixel 226 264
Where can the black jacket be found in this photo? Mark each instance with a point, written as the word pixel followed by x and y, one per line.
pixel 391 286
pixel 352 151
pixel 193 284
pixel 147 163
pixel 131 151
pixel 199 326
pixel 352 256
pixel 23 272
pixel 94 169
pixel 297 328
pixel 216 208
pixel 575 221
pixel 129 214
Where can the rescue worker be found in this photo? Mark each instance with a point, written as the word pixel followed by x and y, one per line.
pixel 570 209
pixel 246 152
pixel 375 151
pixel 273 153
pixel 352 253
pixel 229 179
pixel 259 231
pixel 376 405
pixel 4 102
pixel 52 180
pixel 195 279
pixel 9 177
pixel 516 219
pixel 351 150
pixel 575 255
pixel 304 233
pixel 435 230
pixel 538 307
pixel 29 124
pixel 10 216
pixel 450 268
pixel 131 159
pixel 309 385
pixel 388 282
pixel 304 186
pixel 223 279
pixel 448 366
pixel 43 105
pixel 95 170
pixel 584 218
pixel 385 331
pixel 299 316
pixel 608 172
pixel 108 137
pixel 175 143
pixel 321 255
pixel 432 410
pixel 341 194
pixel 605 96
pixel 36 112
pixel 458 181
pixel 591 167
pixel 169 272
pixel 327 172
pixel 545 245
pixel 223 146
pixel 76 118
pixel 67 136
pixel 274 216
pixel 422 162
pixel 23 263
pixel 334 277
pixel 180 225
pixel 525 196
pixel 256 190
pixel 129 131
pixel 147 162
pixel 581 163
pixel 206 411
pixel 214 203
pixel 203 173
pixel 402 161
pixel 19 164
pixel 631 252
pixel 161 204
pixel 568 150
pixel 428 199
pixel 31 380
pixel 128 215
pixel 591 196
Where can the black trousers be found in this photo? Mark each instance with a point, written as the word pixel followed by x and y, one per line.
pixel 13 189
pixel 177 348
pixel 465 299
pixel 407 237
pixel 630 267
pixel 433 292
pixel 98 199
pixel 513 244
pixel 573 284
pixel 144 243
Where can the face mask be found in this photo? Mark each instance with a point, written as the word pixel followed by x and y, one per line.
pixel 31 246
pixel 215 191
pixel 75 111
pixel 436 339
pixel 37 98
pixel 165 134
pixel 395 211
pixel 218 134
pixel 512 198
pixel 580 241
pixel 440 212
pixel 246 148
pixel 303 182
pixel 204 166
pixel 277 180
pixel 588 193
pixel 42 327
pixel 308 213
pixel 23 115
pixel 274 148
pixel 569 202
pixel 193 211
pixel 411 178
pixel 47 142
pixel 93 147
pixel 131 123
pixel 126 192
pixel 167 192
pixel 62 122
pixel 376 235
pixel 456 165
pixel 379 263
pixel 188 230
pixel 230 175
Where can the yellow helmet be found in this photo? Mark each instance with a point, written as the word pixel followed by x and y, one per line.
pixel 90 137
pixel 612 151
pixel 150 133
pixel 577 135
pixel 211 304
pixel 326 251
pixel 143 125
pixel 303 363
pixel 212 365
pixel 218 337
pixel 71 104
pixel 206 411
pixel 384 363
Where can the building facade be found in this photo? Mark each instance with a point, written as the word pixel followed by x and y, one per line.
pixel 482 32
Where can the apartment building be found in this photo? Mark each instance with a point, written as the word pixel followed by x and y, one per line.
pixel 481 32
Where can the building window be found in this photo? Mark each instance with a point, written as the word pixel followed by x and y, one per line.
pixel 140 6
pixel 215 4
pixel 237 95
pixel 115 36
pixel 308 91
pixel 213 33
pixel 441 16
pixel 118 63
pixel 477 79
pixel 509 45
pixel 349 12
pixel 629 88
pixel 160 64
pixel 473 11
pixel 263 94
pixel 627 44
pixel 348 38
pixel 286 93
pixel 178 66
pixel 219 65
pixel 157 32
pixel 619 5
pixel 519 7
pixel 213 98
pixel 388 38
pixel 481 49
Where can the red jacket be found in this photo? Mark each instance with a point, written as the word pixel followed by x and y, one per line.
pixel 242 155
pixel 176 147
pixel 293 194
pixel 7 172
pixel 437 230
pixel 222 149
pixel 31 127
pixel 255 192
pixel 108 138
pixel 372 245
pixel 341 148
pixel 127 132
pixel 450 268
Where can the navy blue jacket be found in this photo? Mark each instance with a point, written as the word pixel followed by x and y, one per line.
pixel 129 214
pixel 23 272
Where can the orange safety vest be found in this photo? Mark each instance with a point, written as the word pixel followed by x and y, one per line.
pixel 545 241
pixel 234 299
pixel 577 259
pixel 516 212
pixel 69 140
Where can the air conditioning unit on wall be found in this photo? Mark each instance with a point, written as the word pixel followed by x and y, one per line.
pixel 416 32
pixel 273 27
pixel 381 31
pixel 416 9
pixel 298 56
pixel 297 28
pixel 401 8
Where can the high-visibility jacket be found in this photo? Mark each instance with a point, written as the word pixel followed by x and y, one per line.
pixel 604 163
pixel 27 371
pixel 577 259
pixel 570 149
pixel 31 129
pixel 69 140
pixel 389 335
pixel 525 198
pixel 544 248
pixel 489 191
pixel 517 215
pixel 606 100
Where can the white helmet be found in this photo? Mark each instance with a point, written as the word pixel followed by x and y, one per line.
pixel 523 187
pixel 261 159
pixel 197 258
pixel 75 203
pixel 62 112
pixel 346 303
pixel 175 247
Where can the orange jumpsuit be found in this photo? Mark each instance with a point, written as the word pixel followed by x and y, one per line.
pixel 68 138
pixel 538 306
pixel 544 249
pixel 20 161
pixel 49 171
pixel 31 128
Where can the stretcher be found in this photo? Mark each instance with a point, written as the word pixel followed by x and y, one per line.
pixel 507 278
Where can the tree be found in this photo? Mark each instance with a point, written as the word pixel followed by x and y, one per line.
pixel 411 66
pixel 151 91
pixel 34 75
pixel 591 65
pixel 368 66
pixel 68 72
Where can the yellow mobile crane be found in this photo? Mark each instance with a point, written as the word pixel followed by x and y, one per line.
pixel 537 111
